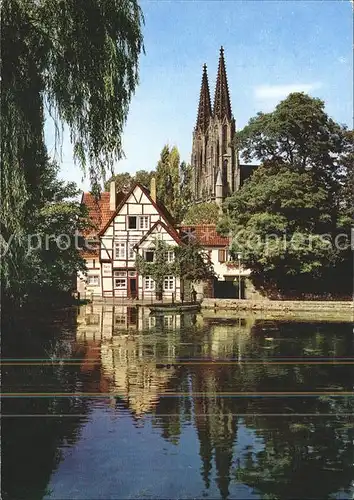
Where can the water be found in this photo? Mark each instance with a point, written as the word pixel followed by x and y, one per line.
pixel 117 404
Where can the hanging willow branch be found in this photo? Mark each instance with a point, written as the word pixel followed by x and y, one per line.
pixel 81 58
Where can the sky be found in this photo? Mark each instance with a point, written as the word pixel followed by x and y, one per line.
pixel 271 48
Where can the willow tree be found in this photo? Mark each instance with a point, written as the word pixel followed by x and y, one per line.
pixel 78 59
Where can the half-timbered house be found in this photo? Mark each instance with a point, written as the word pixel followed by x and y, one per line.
pixel 127 224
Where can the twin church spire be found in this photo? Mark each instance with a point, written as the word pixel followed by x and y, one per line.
pixel 214 160
pixel 222 104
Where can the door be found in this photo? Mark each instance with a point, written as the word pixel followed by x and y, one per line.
pixel 132 291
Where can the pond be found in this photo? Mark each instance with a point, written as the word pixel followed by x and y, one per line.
pixel 110 402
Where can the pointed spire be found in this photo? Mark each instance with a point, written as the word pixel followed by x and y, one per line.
pixel 204 109
pixel 222 106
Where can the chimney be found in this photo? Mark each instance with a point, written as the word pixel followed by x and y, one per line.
pixel 153 189
pixel 112 196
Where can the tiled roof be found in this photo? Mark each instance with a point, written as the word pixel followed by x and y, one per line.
pixel 99 211
pixel 204 234
pixel 90 254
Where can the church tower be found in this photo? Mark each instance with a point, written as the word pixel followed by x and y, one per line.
pixel 201 178
pixel 213 152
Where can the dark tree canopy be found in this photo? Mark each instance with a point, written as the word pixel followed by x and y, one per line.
pixel 78 58
pixel 286 217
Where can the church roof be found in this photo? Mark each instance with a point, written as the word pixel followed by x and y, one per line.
pixel 204 108
pixel 222 105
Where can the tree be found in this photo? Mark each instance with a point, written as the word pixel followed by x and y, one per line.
pixel 190 264
pixel 202 213
pixel 287 215
pixel 80 59
pixel 125 180
pixel 186 188
pixel 168 181
pixel 160 267
pixel 44 261
pixel 144 177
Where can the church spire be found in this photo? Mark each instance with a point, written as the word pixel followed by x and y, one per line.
pixel 204 109
pixel 222 106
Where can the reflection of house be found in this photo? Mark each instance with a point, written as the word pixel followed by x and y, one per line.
pixel 99 322
pixel 126 224
pixel 132 361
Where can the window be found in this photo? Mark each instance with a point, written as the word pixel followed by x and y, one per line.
pixel 144 222
pixel 132 222
pixel 149 255
pixel 120 283
pixel 119 319
pixel 149 283
pixel 120 248
pixel 224 139
pixel 93 280
pixel 168 321
pixel 222 255
pixel 120 274
pixel 169 283
pixel 132 274
pixel 170 256
pixel 120 279
pixel 131 251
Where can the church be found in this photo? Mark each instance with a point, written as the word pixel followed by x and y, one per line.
pixel 216 169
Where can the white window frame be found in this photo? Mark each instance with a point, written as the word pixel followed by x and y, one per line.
pixel 120 274
pixel 169 283
pixel 120 250
pixel 149 283
pixel 146 223
pixel 121 278
pixel 120 319
pixel 170 256
pixel 132 273
pixel 120 283
pixel 131 252
pixel 96 281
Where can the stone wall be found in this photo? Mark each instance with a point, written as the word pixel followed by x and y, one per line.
pixel 277 305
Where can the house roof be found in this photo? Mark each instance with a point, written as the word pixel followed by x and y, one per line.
pixel 204 234
pixel 169 229
pixel 161 209
pixel 90 254
pixel 98 209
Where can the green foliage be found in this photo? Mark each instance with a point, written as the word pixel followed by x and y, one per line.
pixel 286 216
pixel 160 267
pixel 190 263
pixel 202 213
pixel 298 133
pixel 80 59
pixel 168 180
pixel 45 258
pixel 193 262
pixel 125 180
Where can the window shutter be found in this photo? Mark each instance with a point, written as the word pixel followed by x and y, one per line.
pixel 222 255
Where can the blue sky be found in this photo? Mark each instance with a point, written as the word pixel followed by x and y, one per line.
pixel 271 49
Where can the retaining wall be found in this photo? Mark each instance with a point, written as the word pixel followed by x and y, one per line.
pixel 278 305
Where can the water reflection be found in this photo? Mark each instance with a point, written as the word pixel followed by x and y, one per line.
pixel 202 406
